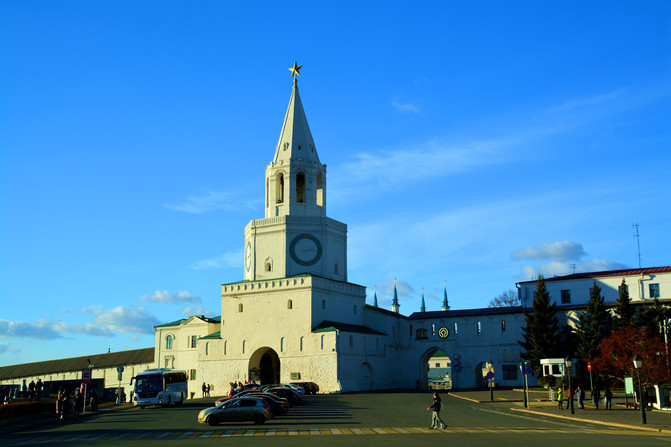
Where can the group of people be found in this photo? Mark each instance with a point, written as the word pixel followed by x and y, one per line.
pixel 65 403
pixel 236 387
pixel 580 397
pixel 206 389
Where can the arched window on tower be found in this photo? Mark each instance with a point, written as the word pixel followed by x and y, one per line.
pixel 240 307
pixel 279 188
pixel 320 190
pixel 282 344
pixel 290 304
pixel 300 187
pixel 267 191
pixel 301 343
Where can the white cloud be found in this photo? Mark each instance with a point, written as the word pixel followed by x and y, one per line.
pixel 387 288
pixel 405 107
pixel 555 251
pixel 44 329
pixel 165 297
pixel 127 320
pixel 91 329
pixel 212 201
pixel 230 259
pixel 197 310
pixel 555 268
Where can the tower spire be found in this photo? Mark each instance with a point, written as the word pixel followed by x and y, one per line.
pixel 445 305
pixel 375 297
pixel 394 302
pixel 422 308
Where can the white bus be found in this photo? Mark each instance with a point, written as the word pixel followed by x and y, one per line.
pixel 159 386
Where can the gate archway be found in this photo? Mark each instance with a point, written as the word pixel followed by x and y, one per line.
pixel 264 366
pixel 435 370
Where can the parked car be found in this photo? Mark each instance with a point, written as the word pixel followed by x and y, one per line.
pixel 284 392
pixel 277 407
pixel 247 393
pixel 309 387
pixel 236 410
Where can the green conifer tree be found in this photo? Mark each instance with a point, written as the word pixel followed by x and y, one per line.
pixel 624 311
pixel 594 324
pixel 652 316
pixel 541 334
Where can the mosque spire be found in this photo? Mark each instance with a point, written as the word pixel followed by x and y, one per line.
pixel 422 308
pixel 375 297
pixel 394 302
pixel 445 305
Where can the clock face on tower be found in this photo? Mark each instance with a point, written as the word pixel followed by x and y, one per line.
pixel 305 249
pixel 248 256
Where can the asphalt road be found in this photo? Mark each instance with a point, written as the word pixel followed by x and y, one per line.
pixel 373 419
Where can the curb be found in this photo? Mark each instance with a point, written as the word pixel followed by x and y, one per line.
pixel 591 421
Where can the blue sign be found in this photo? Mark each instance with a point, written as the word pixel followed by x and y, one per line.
pixel 526 369
pixel 490 376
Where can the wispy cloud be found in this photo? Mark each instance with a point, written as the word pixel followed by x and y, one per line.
pixel 230 259
pixel 589 101
pixel 197 310
pixel 44 329
pixel 405 107
pixel 165 297
pixel 213 200
pixel 555 251
pixel 135 320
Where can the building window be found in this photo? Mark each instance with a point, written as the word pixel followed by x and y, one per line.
pixel 168 342
pixel 279 184
pixel 244 345
pixel 225 346
pixel 421 334
pixel 456 331
pixel 301 344
pixel 351 341
pixel 300 187
pixel 322 342
pixel 290 304
pixel 207 348
pixel 503 325
pixel 411 330
pixel 194 341
pixel 509 372
pixel 323 304
pixel 479 327
pixel 433 330
pixel 437 364
pixel 240 307
pixel 269 267
pixel 320 190
pixel 566 296
pixel 282 344
pixel 192 374
pixel 654 290
pixel 355 309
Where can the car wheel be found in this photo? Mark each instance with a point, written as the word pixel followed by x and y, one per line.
pixel 212 420
pixel 259 419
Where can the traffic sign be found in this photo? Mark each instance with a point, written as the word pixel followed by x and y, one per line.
pixel 490 376
pixel 589 366
pixel 86 376
pixel 119 369
pixel 526 369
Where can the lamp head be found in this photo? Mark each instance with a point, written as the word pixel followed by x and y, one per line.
pixel 638 361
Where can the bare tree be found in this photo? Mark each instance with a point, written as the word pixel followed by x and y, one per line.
pixel 508 298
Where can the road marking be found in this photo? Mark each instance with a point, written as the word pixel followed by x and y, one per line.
pixel 164 434
pixel 206 434
pixel 142 435
pixel 186 434
pixel 122 435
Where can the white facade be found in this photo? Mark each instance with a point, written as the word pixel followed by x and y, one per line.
pixel 643 284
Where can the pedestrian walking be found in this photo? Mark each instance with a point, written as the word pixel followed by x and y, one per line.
pixel 94 401
pixel 580 396
pixel 436 406
pixel 560 397
pixel 596 396
pixel 78 403
pixel 38 387
pixel 204 388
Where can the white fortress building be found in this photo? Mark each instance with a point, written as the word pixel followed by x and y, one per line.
pixel 295 317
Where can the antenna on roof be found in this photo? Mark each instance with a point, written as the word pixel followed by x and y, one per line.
pixel 638 242
pixel 573 269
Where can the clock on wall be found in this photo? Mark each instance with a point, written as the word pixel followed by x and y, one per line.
pixel 305 249
pixel 248 255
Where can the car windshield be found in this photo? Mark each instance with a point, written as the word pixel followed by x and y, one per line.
pixel 152 382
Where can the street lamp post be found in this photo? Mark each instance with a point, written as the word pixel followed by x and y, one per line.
pixel 638 364
pixel 569 368
pixel 490 366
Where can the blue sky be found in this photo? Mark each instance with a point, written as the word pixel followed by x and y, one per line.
pixel 473 143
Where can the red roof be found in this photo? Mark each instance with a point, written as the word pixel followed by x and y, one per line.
pixel 626 272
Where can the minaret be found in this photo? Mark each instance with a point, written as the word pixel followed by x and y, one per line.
pixel 375 297
pixel 394 302
pixel 422 308
pixel 445 305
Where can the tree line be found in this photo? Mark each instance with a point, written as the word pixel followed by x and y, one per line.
pixel 607 338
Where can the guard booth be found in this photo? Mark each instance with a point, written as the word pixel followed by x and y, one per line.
pixel 556 367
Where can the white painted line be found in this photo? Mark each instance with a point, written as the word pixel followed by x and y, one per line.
pixel 206 434
pixel 185 435
pixel 142 435
pixel 228 433
pixel 357 431
pixel 380 431
pixel 315 432
pixel 164 435
pixel 271 432
pixel 292 432
pixel 249 433
pixel 401 430
pixel 336 431
pixel 122 435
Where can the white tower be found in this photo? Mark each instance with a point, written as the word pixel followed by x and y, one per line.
pixel 295 236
